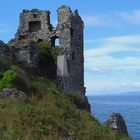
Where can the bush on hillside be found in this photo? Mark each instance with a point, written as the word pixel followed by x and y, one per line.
pixel 14 78
pixel 9 78
pixel 45 49
pixel 5 63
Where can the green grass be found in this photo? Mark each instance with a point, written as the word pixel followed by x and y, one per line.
pixel 49 116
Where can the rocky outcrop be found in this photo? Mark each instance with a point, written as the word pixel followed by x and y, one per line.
pixel 84 104
pixel 3 47
pixel 69 137
pixel 2 44
pixel 87 105
pixel 117 123
pixel 26 53
pixel 13 93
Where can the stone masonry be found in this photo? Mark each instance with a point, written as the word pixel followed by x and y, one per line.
pixel 35 25
pixel 70 28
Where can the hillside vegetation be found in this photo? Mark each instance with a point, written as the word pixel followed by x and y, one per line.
pixel 49 113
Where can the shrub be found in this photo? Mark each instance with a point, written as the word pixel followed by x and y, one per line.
pixel 5 63
pixel 9 78
pixel 14 78
pixel 10 43
pixel 46 49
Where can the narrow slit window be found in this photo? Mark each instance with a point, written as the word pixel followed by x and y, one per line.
pixel 73 56
pixel 71 32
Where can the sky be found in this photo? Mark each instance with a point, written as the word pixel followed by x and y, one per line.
pixel 111 39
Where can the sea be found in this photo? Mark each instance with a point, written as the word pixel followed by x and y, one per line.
pixel 127 105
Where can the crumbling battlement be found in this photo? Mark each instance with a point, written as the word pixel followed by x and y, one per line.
pixel 35 25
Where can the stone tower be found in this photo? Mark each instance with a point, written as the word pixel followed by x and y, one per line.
pixel 35 25
pixel 70 66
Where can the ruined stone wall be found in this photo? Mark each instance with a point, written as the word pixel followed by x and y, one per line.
pixel 70 27
pixel 35 25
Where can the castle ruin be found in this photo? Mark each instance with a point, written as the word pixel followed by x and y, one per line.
pixel 35 25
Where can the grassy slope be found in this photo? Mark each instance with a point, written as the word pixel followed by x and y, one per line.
pixel 49 116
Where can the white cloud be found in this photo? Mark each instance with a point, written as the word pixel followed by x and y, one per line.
pixel 114 19
pixel 108 62
pixel 132 17
pixel 108 49
pixel 111 86
pixel 101 61
pixel 135 85
pixel 100 85
pixel 95 70
pixel 100 20
pixel 110 55
pixel 101 56
pixel 126 40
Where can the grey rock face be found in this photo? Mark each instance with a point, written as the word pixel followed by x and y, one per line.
pixel 69 137
pixel 117 123
pixel 86 104
pixel 26 54
pixel 13 93
pixel 23 82
pixel 2 44
pixel 3 47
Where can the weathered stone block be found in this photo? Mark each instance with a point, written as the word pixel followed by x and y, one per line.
pixel 62 68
